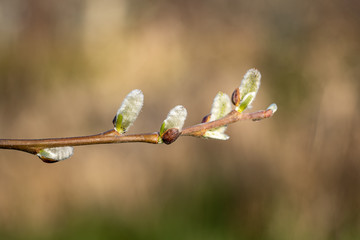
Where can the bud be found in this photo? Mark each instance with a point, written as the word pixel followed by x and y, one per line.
pixel 56 154
pixel 170 135
pixel 248 89
pixel 128 111
pixel 235 97
pixel 273 107
pixel 175 119
pixel 206 119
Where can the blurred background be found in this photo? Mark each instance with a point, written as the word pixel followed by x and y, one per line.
pixel 65 67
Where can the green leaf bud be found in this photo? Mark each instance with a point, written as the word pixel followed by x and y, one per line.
pixel 246 101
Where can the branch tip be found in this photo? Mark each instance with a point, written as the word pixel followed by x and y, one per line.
pixel 273 107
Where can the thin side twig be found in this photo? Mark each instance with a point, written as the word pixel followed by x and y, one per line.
pixel 232 117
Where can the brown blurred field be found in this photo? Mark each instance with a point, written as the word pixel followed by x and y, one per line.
pixel 65 67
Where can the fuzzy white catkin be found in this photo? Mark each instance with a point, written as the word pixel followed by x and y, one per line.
pixel 248 88
pixel 221 106
pixel 56 153
pixel 130 108
pixel 176 118
pixel 250 83
pixel 217 134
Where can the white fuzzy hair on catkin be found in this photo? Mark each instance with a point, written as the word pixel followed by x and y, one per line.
pixel 56 153
pixel 130 108
pixel 176 118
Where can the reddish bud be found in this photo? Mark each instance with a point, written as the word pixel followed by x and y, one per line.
pixel 235 98
pixel 206 118
pixel 170 135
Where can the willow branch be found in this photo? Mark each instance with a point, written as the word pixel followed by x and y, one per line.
pixel 213 125
pixel 35 145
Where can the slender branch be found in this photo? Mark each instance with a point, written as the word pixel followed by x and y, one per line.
pixel 213 125
pixel 35 145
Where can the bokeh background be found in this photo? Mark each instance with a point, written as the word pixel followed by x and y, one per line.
pixel 65 67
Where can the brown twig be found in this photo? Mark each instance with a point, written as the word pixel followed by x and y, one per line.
pixel 35 145
pixel 233 116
